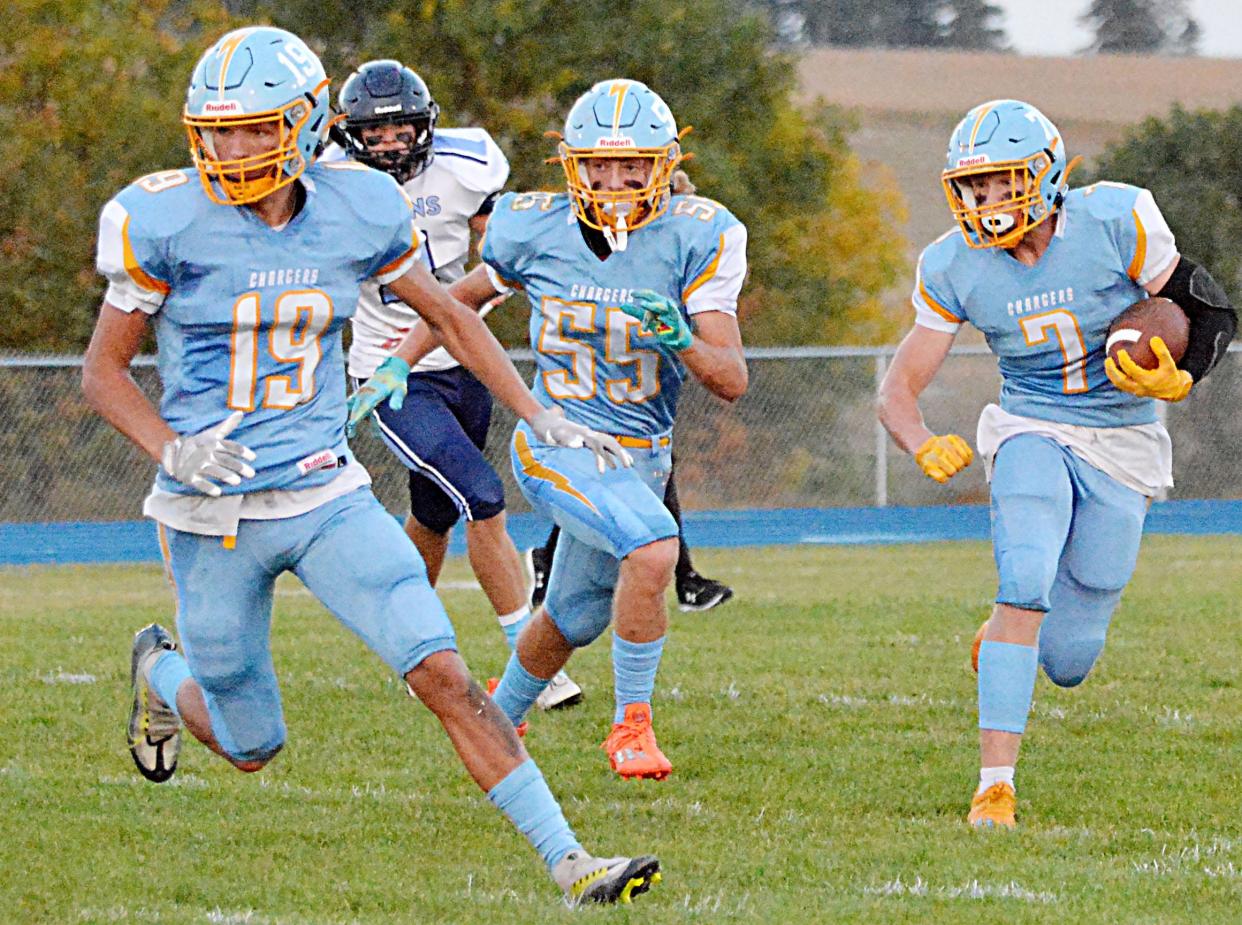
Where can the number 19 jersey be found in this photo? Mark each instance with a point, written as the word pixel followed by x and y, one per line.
pixel 1048 323
pixel 592 359
pixel 248 317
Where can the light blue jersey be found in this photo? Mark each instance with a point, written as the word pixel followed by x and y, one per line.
pixel 593 359
pixel 1048 323
pixel 247 317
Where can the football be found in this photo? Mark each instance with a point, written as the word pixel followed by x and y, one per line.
pixel 1134 328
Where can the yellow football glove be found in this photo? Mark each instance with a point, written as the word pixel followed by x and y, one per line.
pixel 1166 381
pixel 941 458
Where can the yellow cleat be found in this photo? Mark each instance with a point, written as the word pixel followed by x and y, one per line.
pixel 994 808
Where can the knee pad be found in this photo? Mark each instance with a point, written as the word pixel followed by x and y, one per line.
pixel 487 496
pixel 1032 508
pixel 1073 633
pixel 248 727
pixel 581 617
pixel 430 506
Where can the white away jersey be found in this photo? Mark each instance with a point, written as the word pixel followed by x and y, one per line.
pixel 466 168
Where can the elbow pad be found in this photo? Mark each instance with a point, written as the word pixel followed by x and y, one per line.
pixel 1213 320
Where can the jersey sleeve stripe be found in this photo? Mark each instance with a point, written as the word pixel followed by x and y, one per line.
pixel 706 274
pixel 143 279
pixel 414 246
pixel 936 306
pixel 1140 249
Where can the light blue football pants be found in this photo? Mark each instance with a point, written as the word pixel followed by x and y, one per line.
pixel 603 518
pixel 350 553
pixel 1066 538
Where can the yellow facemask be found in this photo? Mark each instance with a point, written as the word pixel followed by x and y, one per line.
pixel 248 179
pixel 620 210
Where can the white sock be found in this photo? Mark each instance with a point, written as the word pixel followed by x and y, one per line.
pixel 990 776
pixel 512 623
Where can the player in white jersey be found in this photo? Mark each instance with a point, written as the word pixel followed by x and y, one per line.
pixel 1074 450
pixel 248 266
pixel 452 177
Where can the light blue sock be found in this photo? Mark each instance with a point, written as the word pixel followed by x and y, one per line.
pixel 518 690
pixel 634 667
pixel 524 797
pixel 166 675
pixel 1006 683
pixel 511 624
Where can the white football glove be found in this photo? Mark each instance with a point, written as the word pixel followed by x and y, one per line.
pixel 197 459
pixel 551 426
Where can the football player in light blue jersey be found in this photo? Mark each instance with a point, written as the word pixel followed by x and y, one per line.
pixel 249 266
pixel 1074 450
pixel 629 287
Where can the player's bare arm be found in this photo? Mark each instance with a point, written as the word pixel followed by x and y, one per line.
pixel 470 341
pixel 466 337
pixel 919 357
pixel 110 389
pixel 916 363
pixel 474 290
pixel 715 355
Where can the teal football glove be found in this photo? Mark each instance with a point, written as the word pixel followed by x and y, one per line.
pixel 389 381
pixel 662 317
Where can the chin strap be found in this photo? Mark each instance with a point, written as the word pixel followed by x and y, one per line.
pixel 618 236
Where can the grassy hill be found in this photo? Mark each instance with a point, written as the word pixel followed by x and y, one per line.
pixel 907 103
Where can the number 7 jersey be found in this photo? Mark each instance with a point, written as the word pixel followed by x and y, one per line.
pixel 1048 323
pixel 592 359
pixel 248 317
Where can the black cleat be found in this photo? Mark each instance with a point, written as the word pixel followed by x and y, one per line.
pixel 694 592
pixel 538 567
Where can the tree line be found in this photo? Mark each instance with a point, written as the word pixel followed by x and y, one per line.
pixel 92 91
pixel 1117 26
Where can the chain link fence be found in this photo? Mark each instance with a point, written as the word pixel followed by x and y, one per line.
pixel 805 435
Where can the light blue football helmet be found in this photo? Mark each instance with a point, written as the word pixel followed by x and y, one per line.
pixel 1018 143
pixel 620 119
pixel 257 76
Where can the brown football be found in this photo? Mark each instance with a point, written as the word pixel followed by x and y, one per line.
pixel 1133 329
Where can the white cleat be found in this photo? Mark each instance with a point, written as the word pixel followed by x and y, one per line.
pixel 584 879
pixel 561 692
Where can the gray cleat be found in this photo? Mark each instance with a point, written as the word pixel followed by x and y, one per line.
pixel 154 728
pixel 585 879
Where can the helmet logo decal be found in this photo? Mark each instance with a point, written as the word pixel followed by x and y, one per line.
pixel 382 110
pixel 226 49
pixel 615 141
pixel 618 89
pixel 973 161
pixel 978 124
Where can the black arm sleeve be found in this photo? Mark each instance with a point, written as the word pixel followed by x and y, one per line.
pixel 1213 320
pixel 487 205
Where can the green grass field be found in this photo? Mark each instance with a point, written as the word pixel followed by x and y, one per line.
pixel 821 728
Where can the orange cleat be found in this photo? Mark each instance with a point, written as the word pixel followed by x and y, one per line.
pixel 994 808
pixel 631 746
pixel 974 646
pixel 520 728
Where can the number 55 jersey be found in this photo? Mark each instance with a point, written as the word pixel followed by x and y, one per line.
pixel 592 359
pixel 248 317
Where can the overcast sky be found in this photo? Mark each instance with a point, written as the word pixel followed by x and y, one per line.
pixel 1221 21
